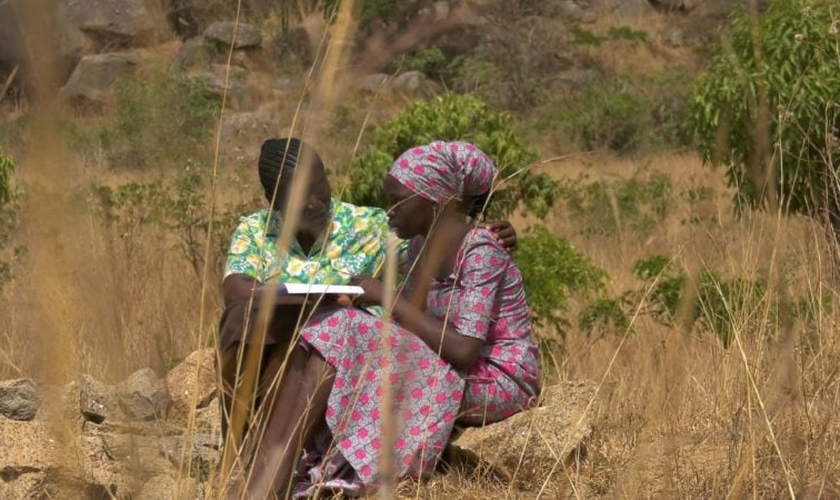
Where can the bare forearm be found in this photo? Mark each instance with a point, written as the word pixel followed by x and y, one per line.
pixel 240 287
pixel 456 349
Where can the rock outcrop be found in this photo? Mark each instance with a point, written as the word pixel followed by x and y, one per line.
pixel 149 437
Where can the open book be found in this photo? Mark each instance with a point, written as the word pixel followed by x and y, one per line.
pixel 316 289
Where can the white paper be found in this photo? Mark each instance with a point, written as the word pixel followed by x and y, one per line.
pixel 316 289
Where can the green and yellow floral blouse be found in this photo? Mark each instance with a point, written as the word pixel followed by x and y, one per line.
pixel 355 245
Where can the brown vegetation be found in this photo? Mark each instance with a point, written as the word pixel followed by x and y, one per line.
pixel 676 414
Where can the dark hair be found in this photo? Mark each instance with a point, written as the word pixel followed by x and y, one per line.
pixel 478 205
pixel 279 155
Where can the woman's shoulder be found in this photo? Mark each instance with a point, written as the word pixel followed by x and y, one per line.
pixel 482 237
pixel 482 241
pixel 358 211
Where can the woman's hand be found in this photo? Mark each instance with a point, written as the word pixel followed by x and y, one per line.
pixel 374 291
pixel 505 234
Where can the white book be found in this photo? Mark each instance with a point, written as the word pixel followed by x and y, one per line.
pixel 316 289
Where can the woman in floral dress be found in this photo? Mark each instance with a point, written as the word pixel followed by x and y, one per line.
pixel 460 349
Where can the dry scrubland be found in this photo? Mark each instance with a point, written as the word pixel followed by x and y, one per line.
pixel 677 414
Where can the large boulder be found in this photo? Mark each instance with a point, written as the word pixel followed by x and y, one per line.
pixel 192 385
pixel 19 399
pixel 143 395
pixel 243 36
pixel 541 441
pixel 110 24
pixel 93 79
pixel 98 401
pixel 77 28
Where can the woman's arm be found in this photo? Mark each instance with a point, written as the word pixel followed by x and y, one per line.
pixel 238 287
pixel 458 350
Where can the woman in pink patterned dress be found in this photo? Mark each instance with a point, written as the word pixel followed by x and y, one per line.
pixel 461 350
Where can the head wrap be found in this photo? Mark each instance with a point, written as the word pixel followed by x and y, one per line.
pixel 444 171
pixel 282 155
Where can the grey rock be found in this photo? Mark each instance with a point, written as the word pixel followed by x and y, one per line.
pixel 564 419
pixel 289 83
pixel 94 76
pixel 143 395
pixel 22 485
pixel 106 24
pixel 97 401
pixel 410 81
pixel 19 399
pixel 376 82
pixel 217 86
pixel 676 37
pixel 223 33
pixel 573 10
pixel 194 53
pixel 249 124
pixel 192 383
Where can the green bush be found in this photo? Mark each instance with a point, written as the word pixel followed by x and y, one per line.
pixel 453 117
pixel 767 108
pixel 706 302
pixel 8 217
pixel 162 119
pixel 554 272
pixel 180 208
pixel 432 61
pixel 611 116
pixel 636 205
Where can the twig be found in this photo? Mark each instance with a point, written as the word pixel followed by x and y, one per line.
pixel 9 80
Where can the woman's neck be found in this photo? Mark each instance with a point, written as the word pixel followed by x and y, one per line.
pixel 442 245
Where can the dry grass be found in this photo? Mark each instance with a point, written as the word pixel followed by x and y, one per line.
pixel 678 415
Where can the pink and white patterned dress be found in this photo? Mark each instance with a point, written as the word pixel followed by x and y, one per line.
pixel 484 298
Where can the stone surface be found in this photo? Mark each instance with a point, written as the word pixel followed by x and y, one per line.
pixel 192 384
pixel 94 76
pixel 22 486
pixel 143 395
pixel 193 54
pixel 19 399
pixel 540 441
pixel 160 487
pixel 26 447
pixel 247 36
pixel 217 86
pixel 97 401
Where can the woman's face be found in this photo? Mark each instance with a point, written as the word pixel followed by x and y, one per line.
pixel 409 214
pixel 317 204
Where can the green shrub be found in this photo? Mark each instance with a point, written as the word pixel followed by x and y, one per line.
pixel 554 272
pixel 432 61
pixel 163 119
pixel 635 206
pixel 180 208
pixel 627 33
pixel 8 217
pixel 453 117
pixel 767 109
pixel 707 302
pixel 611 116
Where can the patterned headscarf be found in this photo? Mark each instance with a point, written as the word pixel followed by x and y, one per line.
pixel 445 171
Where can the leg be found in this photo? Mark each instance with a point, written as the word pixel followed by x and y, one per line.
pixel 239 365
pixel 294 416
